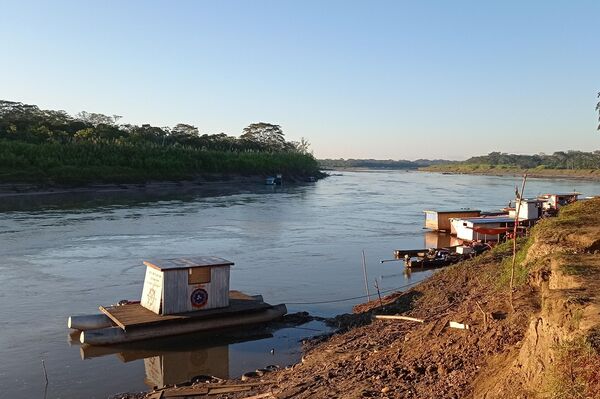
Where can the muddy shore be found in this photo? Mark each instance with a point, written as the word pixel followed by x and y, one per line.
pixel 210 183
pixel 514 347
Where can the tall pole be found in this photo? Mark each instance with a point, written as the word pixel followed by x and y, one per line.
pixel 364 265
pixel 514 258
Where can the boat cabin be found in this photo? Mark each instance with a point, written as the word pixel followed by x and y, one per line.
pixel 482 228
pixel 529 209
pixel 186 284
pixel 439 220
pixel 556 201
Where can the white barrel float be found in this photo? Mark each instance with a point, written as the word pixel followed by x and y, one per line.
pixel 89 322
pixel 116 335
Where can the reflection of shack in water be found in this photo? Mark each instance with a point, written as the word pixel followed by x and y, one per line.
pixel 434 239
pixel 176 367
pixel 173 360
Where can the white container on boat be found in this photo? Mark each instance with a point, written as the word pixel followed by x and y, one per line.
pixel 464 250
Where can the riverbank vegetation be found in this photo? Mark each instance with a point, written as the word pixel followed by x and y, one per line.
pixel 46 146
pixel 561 163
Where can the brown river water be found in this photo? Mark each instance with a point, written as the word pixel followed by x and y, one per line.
pixel 62 255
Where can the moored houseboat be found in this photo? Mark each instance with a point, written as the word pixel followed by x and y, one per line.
pixel 179 296
pixel 489 228
pixel 439 220
pixel 552 202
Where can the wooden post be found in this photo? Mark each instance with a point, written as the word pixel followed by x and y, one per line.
pixel 45 373
pixel 364 265
pixel 484 315
pixel 514 259
pixel 378 293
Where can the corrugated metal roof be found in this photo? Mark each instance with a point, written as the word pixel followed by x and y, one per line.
pixel 487 220
pixel 452 210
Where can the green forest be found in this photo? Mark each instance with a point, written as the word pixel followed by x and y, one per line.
pixel 567 160
pixel 579 164
pixel 47 146
pixel 557 160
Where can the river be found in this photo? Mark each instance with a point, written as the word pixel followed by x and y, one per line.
pixel 296 244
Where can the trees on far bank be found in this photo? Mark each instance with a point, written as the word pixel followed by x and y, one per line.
pixel 267 135
pixel 29 123
pixel 558 160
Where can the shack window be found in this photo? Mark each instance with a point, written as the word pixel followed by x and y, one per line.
pixel 199 275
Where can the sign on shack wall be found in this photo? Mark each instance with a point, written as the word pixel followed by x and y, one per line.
pixel 152 291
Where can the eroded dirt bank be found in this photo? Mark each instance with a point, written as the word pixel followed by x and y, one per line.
pixel 509 351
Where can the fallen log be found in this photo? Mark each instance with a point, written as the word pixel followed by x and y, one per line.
pixel 261 396
pixel 398 317
pixel 451 324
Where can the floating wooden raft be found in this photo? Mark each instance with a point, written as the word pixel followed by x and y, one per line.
pixel 135 315
pixel 133 322
pixel 116 335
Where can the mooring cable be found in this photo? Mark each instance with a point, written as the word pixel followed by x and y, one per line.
pixel 350 299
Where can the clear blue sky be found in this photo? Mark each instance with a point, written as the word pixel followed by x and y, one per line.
pixel 370 79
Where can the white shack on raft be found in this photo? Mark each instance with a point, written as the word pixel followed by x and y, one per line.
pixel 186 284
pixel 179 296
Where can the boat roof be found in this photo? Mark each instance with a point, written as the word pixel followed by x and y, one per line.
pixel 533 200
pixel 562 194
pixel 187 262
pixel 450 210
pixel 489 219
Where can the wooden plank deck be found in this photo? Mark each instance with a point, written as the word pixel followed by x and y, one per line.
pixel 135 315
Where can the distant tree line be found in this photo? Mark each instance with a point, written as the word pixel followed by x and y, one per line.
pixel 45 146
pixel 29 123
pixel 558 160
pixel 379 163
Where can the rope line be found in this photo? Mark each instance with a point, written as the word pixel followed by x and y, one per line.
pixel 350 299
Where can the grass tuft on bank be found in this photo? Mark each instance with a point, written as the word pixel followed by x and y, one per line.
pixel 576 372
